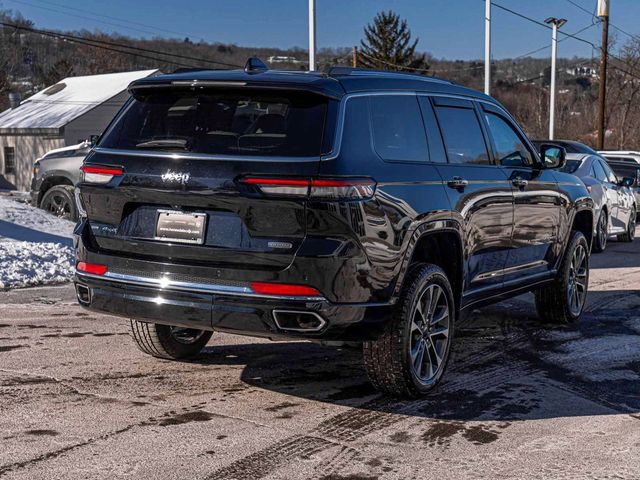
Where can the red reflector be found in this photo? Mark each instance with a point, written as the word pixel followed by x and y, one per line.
pixel 276 181
pixel 284 289
pixel 115 171
pixel 93 268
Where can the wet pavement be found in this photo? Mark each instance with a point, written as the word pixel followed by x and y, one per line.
pixel 520 399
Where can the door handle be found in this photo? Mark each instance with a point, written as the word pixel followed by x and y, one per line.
pixel 458 183
pixel 520 182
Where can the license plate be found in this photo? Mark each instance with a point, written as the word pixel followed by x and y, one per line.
pixel 181 227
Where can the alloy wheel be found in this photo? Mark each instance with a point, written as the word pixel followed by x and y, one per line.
pixel 602 230
pixel 632 225
pixel 577 285
pixel 59 206
pixel 430 339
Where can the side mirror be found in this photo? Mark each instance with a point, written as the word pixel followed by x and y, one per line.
pixel 553 156
pixel 627 182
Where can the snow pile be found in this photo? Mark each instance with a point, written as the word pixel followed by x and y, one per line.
pixel 26 264
pixel 35 247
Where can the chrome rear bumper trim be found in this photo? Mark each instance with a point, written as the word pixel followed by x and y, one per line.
pixel 166 283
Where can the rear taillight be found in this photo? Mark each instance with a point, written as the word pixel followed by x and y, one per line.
pixel 99 174
pixel 318 188
pixel 92 268
pixel 284 289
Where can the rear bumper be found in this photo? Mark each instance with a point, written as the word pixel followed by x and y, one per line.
pixel 227 308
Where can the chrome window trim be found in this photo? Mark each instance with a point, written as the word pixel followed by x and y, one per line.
pixel 167 284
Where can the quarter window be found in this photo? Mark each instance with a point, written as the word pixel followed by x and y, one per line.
pixel 462 135
pixel 9 161
pixel 510 149
pixel 397 128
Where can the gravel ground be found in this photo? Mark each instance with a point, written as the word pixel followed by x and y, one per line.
pixel 78 400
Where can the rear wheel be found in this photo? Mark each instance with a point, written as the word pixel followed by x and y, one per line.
pixel 165 341
pixel 630 234
pixel 60 201
pixel 562 302
pixel 410 357
pixel 602 233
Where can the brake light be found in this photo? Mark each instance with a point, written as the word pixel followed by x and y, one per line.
pixel 284 289
pixel 318 188
pixel 98 174
pixel 92 268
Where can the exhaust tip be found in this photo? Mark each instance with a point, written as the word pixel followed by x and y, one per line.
pixel 297 321
pixel 84 294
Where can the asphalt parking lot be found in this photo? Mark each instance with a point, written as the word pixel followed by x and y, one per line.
pixel 78 400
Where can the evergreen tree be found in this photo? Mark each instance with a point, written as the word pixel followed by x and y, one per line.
pixel 388 46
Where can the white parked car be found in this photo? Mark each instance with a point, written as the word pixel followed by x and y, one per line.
pixel 621 155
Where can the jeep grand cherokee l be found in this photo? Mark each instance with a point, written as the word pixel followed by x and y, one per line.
pixel 353 206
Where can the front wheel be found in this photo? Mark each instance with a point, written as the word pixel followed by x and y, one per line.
pixel 165 341
pixel 60 201
pixel 630 234
pixel 562 302
pixel 410 357
pixel 602 233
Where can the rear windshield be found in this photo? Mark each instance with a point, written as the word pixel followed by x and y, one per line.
pixel 229 123
pixel 571 166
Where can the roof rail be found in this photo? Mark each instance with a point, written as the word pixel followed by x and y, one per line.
pixel 355 71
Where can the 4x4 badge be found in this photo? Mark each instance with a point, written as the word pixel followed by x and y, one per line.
pixel 170 176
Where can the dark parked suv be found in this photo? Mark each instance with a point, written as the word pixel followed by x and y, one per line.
pixel 349 206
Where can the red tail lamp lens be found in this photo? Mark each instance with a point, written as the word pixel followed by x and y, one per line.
pixel 93 268
pixel 99 174
pixel 284 289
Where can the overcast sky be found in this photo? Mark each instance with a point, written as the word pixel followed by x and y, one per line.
pixel 452 29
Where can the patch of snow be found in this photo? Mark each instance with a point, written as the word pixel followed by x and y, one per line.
pixel 27 264
pixel 36 248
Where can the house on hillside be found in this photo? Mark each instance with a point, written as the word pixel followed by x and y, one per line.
pixel 63 114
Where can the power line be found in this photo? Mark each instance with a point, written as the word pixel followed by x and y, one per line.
pixel 121 45
pixel 81 41
pixel 119 19
pixel 424 70
pixel 591 14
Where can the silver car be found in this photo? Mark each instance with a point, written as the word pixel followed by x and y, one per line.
pixel 614 201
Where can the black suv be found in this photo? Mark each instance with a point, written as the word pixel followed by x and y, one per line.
pixel 348 206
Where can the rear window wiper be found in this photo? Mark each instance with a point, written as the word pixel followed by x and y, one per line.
pixel 165 143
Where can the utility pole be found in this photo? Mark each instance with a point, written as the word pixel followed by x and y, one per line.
pixel 487 47
pixel 312 35
pixel 603 13
pixel 555 24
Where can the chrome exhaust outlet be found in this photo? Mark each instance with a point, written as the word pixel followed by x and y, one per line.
pixel 84 294
pixel 297 321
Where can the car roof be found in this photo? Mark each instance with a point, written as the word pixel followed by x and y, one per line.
pixel 335 83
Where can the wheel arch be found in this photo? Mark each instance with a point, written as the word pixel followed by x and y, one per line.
pixel 50 182
pixel 438 243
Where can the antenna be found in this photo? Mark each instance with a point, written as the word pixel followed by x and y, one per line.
pixel 255 65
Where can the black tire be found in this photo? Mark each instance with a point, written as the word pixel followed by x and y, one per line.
pixel 556 303
pixel 388 360
pixel 600 240
pixel 60 201
pixel 630 234
pixel 171 343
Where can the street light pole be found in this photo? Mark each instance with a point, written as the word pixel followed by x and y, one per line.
pixel 555 24
pixel 487 47
pixel 312 35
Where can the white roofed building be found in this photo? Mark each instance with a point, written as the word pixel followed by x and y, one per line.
pixel 63 114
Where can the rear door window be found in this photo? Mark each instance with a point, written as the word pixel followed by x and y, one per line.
pixel 397 128
pixel 225 123
pixel 462 134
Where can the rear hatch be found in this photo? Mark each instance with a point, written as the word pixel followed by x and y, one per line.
pixel 166 180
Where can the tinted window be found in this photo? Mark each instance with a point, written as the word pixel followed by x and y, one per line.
pixel 598 172
pixel 571 166
pixel 462 135
pixel 231 123
pixel 510 149
pixel 397 128
pixel 610 175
